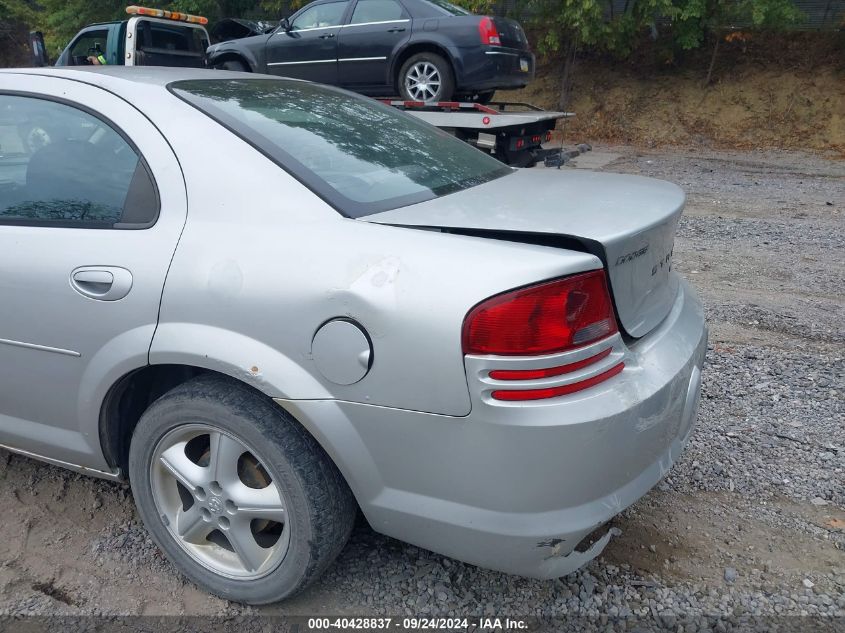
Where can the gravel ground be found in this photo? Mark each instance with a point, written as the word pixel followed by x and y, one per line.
pixel 751 521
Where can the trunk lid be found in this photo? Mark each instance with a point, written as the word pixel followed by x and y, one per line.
pixel 511 34
pixel 628 221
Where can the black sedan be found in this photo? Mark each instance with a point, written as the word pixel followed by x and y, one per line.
pixel 424 50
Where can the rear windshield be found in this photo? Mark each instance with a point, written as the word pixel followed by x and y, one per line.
pixel 359 155
pixel 449 8
pixel 173 38
pixel 160 44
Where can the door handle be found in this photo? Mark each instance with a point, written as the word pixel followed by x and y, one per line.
pixel 326 36
pixel 396 29
pixel 103 283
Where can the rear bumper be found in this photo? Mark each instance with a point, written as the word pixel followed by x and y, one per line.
pixel 492 68
pixel 516 490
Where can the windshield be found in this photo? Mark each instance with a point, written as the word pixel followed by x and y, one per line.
pixel 359 155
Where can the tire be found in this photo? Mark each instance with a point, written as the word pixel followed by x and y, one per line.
pixel 234 65
pixel 232 544
pixel 428 65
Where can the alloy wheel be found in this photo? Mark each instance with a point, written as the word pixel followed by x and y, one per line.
pixel 219 502
pixel 423 81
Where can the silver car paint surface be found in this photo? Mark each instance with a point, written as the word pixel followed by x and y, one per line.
pixel 632 217
pixel 262 262
pixel 516 489
pixel 50 401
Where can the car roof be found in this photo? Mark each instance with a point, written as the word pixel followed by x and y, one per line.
pixel 118 79
pixel 96 24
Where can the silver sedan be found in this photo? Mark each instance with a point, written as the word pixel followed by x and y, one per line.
pixel 270 303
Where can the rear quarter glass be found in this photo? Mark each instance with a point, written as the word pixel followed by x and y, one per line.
pixel 357 154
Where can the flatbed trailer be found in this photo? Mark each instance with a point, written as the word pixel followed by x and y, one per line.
pixel 513 132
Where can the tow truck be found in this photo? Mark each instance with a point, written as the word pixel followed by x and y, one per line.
pixel 150 37
pixel 514 132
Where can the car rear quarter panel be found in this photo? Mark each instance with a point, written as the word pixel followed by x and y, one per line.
pixel 425 39
pixel 458 36
pixel 516 490
pixel 246 297
pixel 451 35
pixel 263 263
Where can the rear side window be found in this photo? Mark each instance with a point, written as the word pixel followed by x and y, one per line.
pixel 377 11
pixel 359 155
pixel 61 166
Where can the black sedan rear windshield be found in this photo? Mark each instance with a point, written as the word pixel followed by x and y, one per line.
pixel 450 8
pixel 359 155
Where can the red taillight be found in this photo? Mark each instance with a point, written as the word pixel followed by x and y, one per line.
pixel 489 34
pixel 548 318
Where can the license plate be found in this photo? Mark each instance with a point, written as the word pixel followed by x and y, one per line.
pixel 523 65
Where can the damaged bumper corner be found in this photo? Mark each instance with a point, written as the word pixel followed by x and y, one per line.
pixel 558 564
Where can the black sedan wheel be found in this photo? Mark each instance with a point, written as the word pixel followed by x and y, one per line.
pixel 426 77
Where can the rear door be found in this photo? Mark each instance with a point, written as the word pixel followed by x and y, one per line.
pixel 309 49
pixel 375 30
pixel 92 203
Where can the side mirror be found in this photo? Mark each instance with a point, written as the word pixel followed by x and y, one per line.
pixel 285 24
pixel 38 50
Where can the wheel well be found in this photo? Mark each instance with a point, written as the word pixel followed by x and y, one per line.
pixel 127 400
pixel 413 49
pixel 231 57
pixel 130 396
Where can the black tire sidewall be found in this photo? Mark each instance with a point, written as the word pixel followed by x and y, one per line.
pixel 444 67
pixel 234 66
pixel 485 97
pixel 172 411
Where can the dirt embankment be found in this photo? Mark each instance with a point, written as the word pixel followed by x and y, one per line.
pixel 790 95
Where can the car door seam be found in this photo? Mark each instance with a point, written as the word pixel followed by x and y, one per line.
pixel 181 171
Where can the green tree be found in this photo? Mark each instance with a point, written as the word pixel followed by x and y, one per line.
pixel 277 9
pixel 695 19
pixel 15 18
pixel 563 27
pixel 217 9
pixel 61 19
pixel 15 10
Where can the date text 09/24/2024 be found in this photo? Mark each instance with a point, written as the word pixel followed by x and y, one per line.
pixel 418 624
